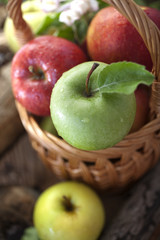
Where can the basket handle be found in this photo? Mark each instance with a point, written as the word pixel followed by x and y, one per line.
pixel 22 29
pixel 151 37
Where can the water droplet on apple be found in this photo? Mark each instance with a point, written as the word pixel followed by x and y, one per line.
pixel 61 90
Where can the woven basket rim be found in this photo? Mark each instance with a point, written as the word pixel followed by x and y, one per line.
pixel 50 141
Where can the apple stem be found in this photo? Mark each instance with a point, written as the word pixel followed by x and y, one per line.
pixel 68 204
pixel 37 73
pixel 95 65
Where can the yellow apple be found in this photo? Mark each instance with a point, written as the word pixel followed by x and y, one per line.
pixel 32 14
pixel 69 211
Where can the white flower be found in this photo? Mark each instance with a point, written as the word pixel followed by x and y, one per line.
pixel 93 5
pixel 64 7
pixel 49 5
pixel 70 10
pixel 68 17
pixel 80 6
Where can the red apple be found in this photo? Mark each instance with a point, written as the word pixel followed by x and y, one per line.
pixel 37 66
pixel 111 38
pixel 142 94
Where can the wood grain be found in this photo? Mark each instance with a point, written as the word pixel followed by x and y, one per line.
pixel 139 217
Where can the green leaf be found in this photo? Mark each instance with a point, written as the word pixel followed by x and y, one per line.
pixel 30 234
pixel 52 26
pixel 141 2
pixel 65 32
pixel 80 30
pixel 123 78
pixel 149 3
pixel 50 20
pixel 155 4
pixel 3 2
pixel 102 4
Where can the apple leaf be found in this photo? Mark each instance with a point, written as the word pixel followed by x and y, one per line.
pixel 102 4
pixel 52 26
pixel 149 3
pixel 50 20
pixel 64 32
pixel 123 78
pixel 80 29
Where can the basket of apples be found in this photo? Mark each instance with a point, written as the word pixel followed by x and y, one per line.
pixel 103 109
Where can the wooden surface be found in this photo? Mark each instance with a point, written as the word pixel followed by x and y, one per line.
pixel 139 217
pixel 132 214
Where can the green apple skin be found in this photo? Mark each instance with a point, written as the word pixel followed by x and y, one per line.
pixel 89 123
pixel 47 125
pixel 32 15
pixel 52 221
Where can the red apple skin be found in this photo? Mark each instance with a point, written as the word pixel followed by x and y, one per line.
pixel 53 56
pixel 142 94
pixel 111 38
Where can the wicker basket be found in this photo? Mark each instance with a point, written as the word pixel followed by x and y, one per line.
pixel 124 163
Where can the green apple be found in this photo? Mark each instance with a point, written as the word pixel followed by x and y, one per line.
pixel 101 118
pixel 89 123
pixel 69 211
pixel 47 125
pixel 32 14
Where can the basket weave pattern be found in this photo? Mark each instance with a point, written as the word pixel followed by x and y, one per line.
pixel 128 160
